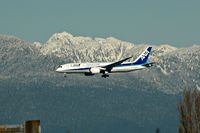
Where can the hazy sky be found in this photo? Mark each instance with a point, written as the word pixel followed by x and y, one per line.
pixel 175 22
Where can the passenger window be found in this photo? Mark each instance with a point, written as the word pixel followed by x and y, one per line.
pixel 75 65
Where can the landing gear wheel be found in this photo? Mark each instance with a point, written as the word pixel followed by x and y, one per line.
pixel 105 76
pixel 65 75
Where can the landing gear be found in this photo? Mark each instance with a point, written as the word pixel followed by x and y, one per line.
pixel 65 75
pixel 104 75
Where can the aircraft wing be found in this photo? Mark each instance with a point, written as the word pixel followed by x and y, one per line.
pixel 110 66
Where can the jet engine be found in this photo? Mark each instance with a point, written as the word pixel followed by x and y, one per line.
pixel 95 70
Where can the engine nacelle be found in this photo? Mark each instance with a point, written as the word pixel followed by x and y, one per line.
pixel 95 70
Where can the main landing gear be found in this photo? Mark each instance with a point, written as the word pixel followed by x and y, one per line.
pixel 104 75
pixel 65 75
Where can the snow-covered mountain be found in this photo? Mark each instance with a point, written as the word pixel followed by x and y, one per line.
pixel 139 101
pixel 176 68
pixel 87 49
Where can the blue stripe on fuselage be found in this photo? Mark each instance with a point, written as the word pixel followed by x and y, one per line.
pixel 81 68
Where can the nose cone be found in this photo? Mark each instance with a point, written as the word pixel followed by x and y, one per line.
pixel 58 70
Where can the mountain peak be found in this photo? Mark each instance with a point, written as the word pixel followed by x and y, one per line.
pixel 62 37
pixel 10 40
pixel 165 48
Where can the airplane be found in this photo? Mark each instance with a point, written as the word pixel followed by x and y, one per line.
pixel 90 69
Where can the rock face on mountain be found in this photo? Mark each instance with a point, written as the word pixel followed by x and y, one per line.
pixel 123 102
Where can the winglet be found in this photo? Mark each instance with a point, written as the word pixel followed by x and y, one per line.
pixel 142 59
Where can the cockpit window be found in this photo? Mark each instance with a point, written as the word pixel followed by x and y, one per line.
pixel 59 66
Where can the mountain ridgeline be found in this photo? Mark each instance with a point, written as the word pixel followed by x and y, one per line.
pixel 138 101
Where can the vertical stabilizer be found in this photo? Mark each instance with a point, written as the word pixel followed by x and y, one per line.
pixel 142 59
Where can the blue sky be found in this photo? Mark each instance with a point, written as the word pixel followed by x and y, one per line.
pixel 175 22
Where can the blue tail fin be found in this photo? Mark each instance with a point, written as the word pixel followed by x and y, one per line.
pixel 142 59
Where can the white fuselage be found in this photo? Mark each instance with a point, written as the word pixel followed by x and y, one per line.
pixel 86 67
